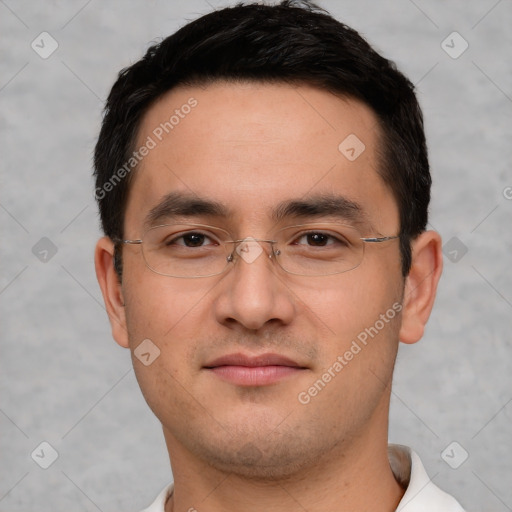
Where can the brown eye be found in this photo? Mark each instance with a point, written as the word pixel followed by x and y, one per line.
pixel 192 239
pixel 318 239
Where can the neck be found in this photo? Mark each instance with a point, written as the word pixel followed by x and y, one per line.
pixel 354 476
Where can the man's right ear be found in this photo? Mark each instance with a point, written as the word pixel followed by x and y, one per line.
pixel 111 289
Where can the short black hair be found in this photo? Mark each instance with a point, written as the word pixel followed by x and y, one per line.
pixel 294 42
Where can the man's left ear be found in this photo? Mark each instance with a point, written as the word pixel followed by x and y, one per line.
pixel 421 285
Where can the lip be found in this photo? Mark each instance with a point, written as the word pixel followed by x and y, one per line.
pixel 244 370
pixel 240 359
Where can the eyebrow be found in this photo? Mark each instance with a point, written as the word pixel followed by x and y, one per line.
pixel 324 205
pixel 179 204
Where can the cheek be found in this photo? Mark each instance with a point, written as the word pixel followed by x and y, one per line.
pixel 346 304
pixel 162 306
pixel 171 314
pixel 362 316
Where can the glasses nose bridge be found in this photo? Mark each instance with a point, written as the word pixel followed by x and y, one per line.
pixel 250 248
pixel 252 239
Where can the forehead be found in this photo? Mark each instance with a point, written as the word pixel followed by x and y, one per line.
pixel 251 146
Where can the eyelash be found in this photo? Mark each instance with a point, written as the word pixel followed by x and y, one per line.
pixel 331 239
pixel 183 235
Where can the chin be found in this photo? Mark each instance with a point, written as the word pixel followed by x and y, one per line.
pixel 262 468
pixel 264 458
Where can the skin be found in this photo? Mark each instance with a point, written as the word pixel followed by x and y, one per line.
pixel 251 146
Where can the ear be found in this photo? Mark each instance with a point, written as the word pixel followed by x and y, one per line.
pixel 111 289
pixel 421 285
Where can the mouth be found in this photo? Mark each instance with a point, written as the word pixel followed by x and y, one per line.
pixel 243 370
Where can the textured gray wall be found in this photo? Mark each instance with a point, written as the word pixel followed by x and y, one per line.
pixel 66 382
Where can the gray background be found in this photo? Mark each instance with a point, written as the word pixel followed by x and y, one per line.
pixel 63 378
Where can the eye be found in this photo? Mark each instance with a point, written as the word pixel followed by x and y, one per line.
pixel 192 239
pixel 316 239
pixel 319 239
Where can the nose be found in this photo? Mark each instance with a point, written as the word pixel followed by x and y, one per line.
pixel 254 295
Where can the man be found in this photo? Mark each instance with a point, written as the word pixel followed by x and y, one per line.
pixel 263 184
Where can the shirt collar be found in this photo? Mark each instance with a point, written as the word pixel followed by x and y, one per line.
pixel 421 494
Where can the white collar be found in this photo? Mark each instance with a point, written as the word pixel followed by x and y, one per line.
pixel 421 494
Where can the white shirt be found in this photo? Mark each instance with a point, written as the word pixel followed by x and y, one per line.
pixel 421 494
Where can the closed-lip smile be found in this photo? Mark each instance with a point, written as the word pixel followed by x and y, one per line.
pixel 246 370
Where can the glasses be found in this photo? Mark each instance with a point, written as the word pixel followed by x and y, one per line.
pixel 198 250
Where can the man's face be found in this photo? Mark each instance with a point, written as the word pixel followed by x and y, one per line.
pixel 254 147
